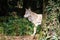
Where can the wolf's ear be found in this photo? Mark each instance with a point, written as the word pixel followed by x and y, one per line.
pixel 26 9
pixel 29 9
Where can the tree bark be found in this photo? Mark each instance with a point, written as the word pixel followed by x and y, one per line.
pixel 44 13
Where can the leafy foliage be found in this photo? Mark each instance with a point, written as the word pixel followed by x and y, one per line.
pixel 52 28
pixel 19 26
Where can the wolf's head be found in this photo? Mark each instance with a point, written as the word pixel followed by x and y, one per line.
pixel 27 13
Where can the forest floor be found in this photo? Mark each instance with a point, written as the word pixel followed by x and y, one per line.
pixel 18 37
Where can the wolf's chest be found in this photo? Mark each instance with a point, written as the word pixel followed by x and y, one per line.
pixel 35 19
pixel 32 18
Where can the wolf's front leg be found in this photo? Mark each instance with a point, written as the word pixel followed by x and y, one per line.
pixel 35 28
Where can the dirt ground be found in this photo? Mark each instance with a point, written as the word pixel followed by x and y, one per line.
pixel 18 37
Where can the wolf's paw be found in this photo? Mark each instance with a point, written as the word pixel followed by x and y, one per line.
pixel 33 35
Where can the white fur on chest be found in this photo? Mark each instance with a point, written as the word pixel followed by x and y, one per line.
pixel 37 19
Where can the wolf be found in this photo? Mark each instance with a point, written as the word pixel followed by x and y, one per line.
pixel 33 17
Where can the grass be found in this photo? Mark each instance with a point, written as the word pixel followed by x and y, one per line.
pixel 17 26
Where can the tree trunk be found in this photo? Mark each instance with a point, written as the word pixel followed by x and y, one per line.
pixel 44 13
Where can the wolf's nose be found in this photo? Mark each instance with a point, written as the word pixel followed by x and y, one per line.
pixel 24 16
